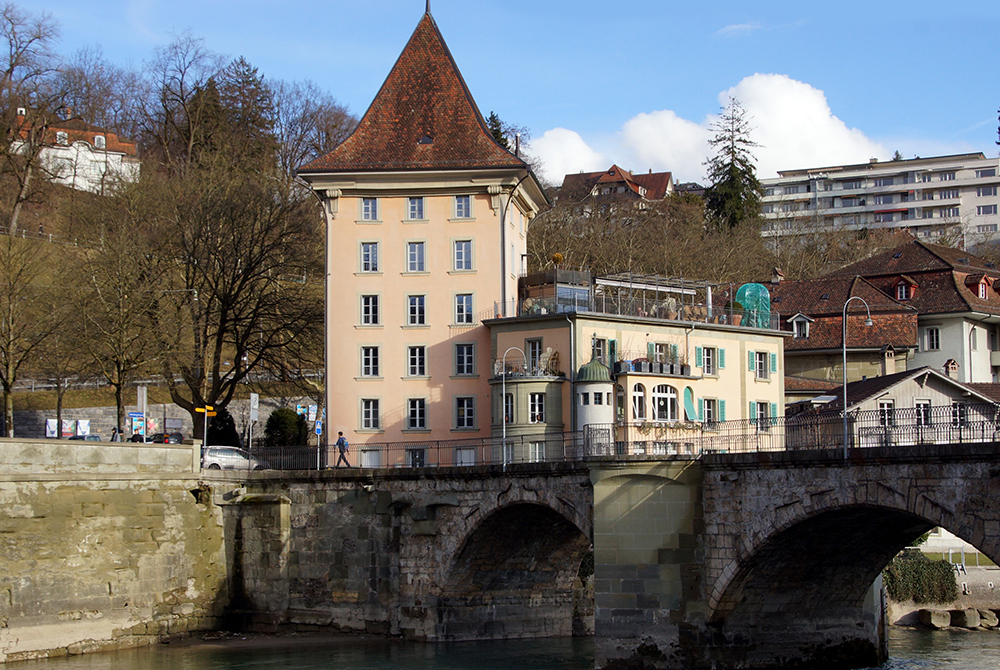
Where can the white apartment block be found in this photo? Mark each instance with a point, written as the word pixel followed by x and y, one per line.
pixel 938 197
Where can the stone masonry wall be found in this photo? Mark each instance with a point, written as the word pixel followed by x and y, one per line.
pixel 106 562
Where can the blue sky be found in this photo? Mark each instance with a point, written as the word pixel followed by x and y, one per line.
pixel 634 84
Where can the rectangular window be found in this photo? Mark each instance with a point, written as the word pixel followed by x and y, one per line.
pixel 416 310
pixel 534 351
pixel 948 194
pixel 416 361
pixel 536 452
pixel 760 362
pixel 927 195
pixel 536 408
pixel 949 211
pixel 789 190
pixel 465 412
pixel 369 209
pixel 369 310
pixel 987 228
pixel 415 209
pixel 463 254
pixel 710 412
pixel 463 207
pixel 463 308
pixel 416 414
pixel 599 350
pixel 709 357
pixel 508 408
pixel 884 199
pixel 923 412
pixel 884 181
pixel 415 257
pixel 416 457
pixel 983 210
pixel 946 176
pixel 932 339
pixel 886 413
pixel 369 256
pixel 760 416
pixel 585 398
pixel 925 178
pixel 883 217
pixel 928 213
pixel 988 172
pixel 369 414
pixel 959 414
pixel 986 191
pixel 369 362
pixel 465 359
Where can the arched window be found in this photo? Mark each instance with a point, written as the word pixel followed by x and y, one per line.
pixel 664 403
pixel 639 402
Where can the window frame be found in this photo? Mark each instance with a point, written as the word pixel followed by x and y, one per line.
pixel 469 354
pixel 416 414
pixel 370 313
pixel 415 266
pixel 465 250
pixel 371 418
pixel 416 360
pixel 370 361
pixel 457 207
pixel 932 338
pixel 369 257
pixel 370 209
pixel 464 309
pixel 416 309
pixel 465 412
pixel 536 408
pixel 415 206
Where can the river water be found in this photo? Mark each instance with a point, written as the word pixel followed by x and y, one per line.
pixel 910 650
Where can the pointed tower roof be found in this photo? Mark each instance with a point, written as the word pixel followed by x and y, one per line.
pixel 423 118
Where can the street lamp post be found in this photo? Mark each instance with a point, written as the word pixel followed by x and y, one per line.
pixel 503 398
pixel 868 322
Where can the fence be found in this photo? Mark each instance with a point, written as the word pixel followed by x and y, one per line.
pixel 887 428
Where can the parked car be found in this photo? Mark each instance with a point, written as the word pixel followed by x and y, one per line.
pixel 230 458
pixel 86 438
pixel 167 438
pixel 139 437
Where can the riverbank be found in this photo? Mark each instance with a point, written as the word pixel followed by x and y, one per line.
pixel 978 588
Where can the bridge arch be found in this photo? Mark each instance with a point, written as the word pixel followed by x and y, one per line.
pixel 797 546
pixel 515 575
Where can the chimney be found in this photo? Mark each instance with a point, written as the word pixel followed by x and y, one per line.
pixel 951 368
pixel 776 276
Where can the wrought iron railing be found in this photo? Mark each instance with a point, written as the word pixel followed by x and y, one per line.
pixel 888 428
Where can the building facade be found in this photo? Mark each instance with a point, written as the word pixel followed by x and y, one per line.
pixel 936 198
pixel 426 223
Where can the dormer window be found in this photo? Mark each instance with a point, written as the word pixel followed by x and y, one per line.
pixel 800 326
pixel 62 138
pixel 982 290
pixel 100 142
pixel 902 291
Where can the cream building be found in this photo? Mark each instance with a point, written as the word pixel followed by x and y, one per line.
pixel 426 223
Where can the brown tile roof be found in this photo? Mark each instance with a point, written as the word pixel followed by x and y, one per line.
pixel 579 185
pixel 801 384
pixel 77 130
pixel 423 117
pixel 945 279
pixel 915 257
pixel 823 301
pixel 991 391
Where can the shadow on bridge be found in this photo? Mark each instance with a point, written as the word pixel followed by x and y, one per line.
pixel 517 575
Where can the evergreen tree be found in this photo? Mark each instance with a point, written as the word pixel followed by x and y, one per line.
pixel 496 127
pixel 735 193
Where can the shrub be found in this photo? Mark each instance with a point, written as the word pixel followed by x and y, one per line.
pixel 285 428
pixel 912 576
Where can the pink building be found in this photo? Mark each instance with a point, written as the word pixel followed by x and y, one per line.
pixel 426 226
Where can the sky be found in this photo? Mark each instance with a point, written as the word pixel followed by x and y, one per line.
pixel 637 84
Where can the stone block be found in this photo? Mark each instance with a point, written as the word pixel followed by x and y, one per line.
pixel 988 619
pixel 966 618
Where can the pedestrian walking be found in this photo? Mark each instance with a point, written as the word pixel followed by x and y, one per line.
pixel 343 448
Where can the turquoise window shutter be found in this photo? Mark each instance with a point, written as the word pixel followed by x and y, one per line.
pixel 612 352
pixel 774 410
pixel 753 411
pixel 750 366
pixel 722 358
pixel 722 410
pixel 673 352
pixel 774 362
pixel 701 409
pixel 697 356
pixel 650 350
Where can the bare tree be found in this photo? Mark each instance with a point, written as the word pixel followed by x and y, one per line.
pixel 30 100
pixel 308 123
pixel 26 313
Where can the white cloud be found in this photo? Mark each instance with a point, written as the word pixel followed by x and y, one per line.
pixel 739 29
pixel 791 120
pixel 564 151
pixel 795 126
